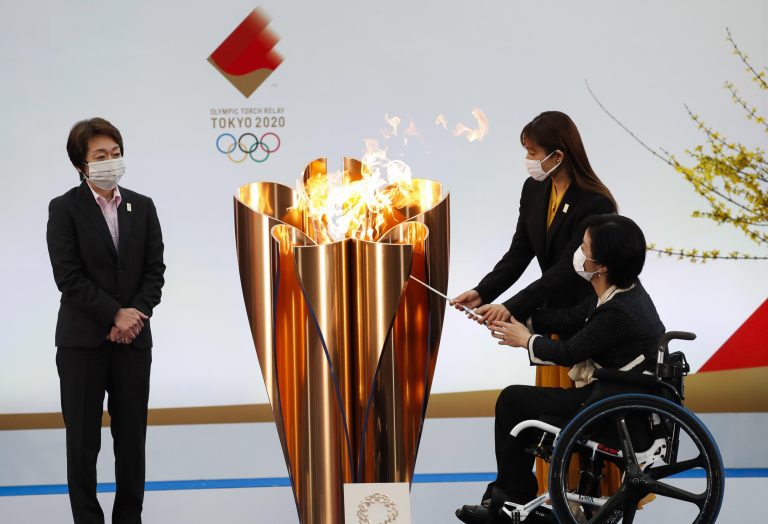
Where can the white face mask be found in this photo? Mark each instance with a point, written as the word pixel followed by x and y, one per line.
pixel 536 171
pixel 578 264
pixel 105 174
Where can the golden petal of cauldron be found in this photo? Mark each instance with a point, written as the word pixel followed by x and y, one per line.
pixel 347 344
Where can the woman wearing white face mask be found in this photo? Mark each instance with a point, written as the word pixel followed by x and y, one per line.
pixel 106 251
pixel 560 191
pixel 617 327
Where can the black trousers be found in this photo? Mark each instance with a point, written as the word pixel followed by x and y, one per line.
pixel 515 477
pixel 85 374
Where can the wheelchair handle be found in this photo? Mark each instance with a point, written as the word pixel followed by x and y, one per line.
pixel 669 336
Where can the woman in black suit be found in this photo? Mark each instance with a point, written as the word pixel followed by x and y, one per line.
pixel 617 327
pixel 560 193
pixel 106 251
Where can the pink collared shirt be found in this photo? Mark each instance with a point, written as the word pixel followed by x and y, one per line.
pixel 109 210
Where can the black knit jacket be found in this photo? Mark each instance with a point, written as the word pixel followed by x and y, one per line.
pixel 612 335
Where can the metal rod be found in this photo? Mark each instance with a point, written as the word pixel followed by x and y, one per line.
pixel 446 297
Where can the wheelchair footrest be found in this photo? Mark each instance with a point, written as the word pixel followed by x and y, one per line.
pixel 515 515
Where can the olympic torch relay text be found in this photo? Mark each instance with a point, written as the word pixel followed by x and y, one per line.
pixel 247 133
pixel 237 111
pixel 237 122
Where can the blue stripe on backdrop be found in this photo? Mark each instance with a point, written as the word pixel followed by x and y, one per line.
pixel 275 482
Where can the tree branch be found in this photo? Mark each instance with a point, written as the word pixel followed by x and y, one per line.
pixel 625 128
pixel 693 255
pixel 758 77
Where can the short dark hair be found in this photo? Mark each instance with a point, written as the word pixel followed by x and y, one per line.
pixel 619 244
pixel 82 132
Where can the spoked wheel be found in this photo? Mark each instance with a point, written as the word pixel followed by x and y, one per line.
pixel 687 481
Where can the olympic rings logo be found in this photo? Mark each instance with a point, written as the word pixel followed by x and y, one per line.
pixel 257 149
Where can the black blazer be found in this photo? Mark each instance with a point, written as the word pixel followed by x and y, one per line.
pixel 559 285
pixel 612 334
pixel 96 280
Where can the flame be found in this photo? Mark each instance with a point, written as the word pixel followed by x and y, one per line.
pixel 410 131
pixel 343 205
pixel 393 123
pixel 473 134
pixel 441 121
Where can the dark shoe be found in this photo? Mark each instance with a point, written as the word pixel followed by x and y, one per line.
pixel 498 496
pixel 472 514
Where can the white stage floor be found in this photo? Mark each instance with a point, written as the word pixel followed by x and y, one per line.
pixel 431 504
pixel 247 454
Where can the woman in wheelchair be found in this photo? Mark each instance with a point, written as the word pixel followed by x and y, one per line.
pixel 618 328
pixel 615 337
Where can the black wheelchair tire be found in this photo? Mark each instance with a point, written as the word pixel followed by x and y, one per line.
pixel 613 407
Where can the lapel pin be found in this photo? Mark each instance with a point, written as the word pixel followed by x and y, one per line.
pixel 128 205
pixel 565 208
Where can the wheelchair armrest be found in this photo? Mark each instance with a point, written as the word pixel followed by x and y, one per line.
pixel 615 376
pixel 625 377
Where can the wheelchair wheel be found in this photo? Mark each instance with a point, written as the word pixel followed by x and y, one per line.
pixel 651 440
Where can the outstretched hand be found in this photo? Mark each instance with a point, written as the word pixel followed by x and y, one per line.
pixel 470 299
pixel 512 333
pixel 490 313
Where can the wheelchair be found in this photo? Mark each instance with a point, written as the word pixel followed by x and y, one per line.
pixel 648 435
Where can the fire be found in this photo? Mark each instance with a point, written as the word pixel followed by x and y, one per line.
pixel 364 205
pixel 410 131
pixel 473 134
pixel 365 201
pixel 393 123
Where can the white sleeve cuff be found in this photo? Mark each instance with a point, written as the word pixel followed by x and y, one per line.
pixel 533 358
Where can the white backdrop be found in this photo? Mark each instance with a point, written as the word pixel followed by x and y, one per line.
pixel 143 65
